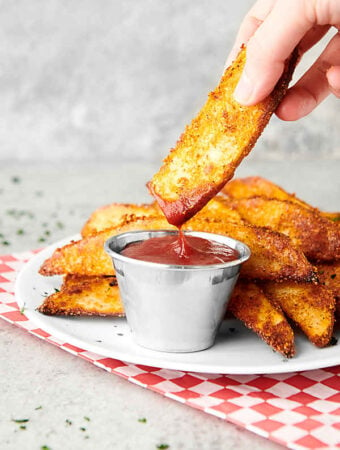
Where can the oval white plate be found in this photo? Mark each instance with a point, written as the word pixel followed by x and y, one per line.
pixel 236 351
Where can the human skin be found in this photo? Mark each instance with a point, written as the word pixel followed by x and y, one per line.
pixel 271 30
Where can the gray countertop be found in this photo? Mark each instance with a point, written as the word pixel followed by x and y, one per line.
pixel 40 204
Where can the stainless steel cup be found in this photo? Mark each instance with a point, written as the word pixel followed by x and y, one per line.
pixel 174 308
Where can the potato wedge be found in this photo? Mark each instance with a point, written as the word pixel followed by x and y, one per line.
pixel 213 145
pixel 219 209
pixel 117 214
pixel 273 257
pixel 85 296
pixel 250 305
pixel 309 305
pixel 114 215
pixel 248 187
pixel 316 236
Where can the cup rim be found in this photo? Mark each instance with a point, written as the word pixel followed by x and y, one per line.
pixel 154 233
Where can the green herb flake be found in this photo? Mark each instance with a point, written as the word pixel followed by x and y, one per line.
pixel 20 420
pixel 41 239
pixel 82 429
pixel 56 290
pixel 60 225
pixel 333 341
pixel 87 418
pixel 68 422
pixel 142 420
pixel 47 233
pixel 22 309
pixel 45 447
pixel 5 243
pixel 15 180
pixel 163 446
pixel 333 276
pixel 22 427
pixel 38 407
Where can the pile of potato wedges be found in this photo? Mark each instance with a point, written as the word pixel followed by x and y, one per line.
pixel 290 282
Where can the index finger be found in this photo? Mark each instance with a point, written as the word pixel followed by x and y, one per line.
pixel 253 19
pixel 269 47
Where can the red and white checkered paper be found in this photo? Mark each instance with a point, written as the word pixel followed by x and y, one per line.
pixel 299 410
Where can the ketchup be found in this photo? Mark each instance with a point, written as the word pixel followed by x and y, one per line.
pixel 180 249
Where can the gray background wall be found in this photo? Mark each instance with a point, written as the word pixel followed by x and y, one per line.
pixel 100 80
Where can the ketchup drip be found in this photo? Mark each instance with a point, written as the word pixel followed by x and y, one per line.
pixel 180 249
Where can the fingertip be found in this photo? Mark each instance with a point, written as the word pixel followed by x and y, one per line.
pixel 295 105
pixel 333 78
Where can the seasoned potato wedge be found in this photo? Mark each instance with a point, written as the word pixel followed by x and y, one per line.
pixel 219 209
pixel 309 305
pixel 213 145
pixel 114 215
pixel 117 214
pixel 272 257
pixel 316 236
pixel 85 296
pixel 248 187
pixel 250 305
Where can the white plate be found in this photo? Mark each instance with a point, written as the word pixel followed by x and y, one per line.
pixel 236 351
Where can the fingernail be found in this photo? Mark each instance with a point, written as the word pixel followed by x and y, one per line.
pixel 244 89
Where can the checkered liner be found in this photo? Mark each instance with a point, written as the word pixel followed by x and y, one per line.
pixel 298 410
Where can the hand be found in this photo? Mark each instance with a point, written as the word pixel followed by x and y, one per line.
pixel 271 30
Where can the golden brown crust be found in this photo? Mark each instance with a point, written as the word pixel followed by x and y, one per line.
pixel 273 256
pixel 213 145
pixel 256 186
pixel 248 187
pixel 250 305
pixel 114 215
pixel 329 276
pixel 316 236
pixel 309 305
pixel 117 214
pixel 85 296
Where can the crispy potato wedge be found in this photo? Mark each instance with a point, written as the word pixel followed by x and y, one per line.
pixel 213 145
pixel 316 236
pixel 85 296
pixel 250 305
pixel 248 187
pixel 219 209
pixel 113 215
pixel 273 257
pixel 116 214
pixel 310 306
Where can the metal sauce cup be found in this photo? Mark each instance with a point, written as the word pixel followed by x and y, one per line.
pixel 174 308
